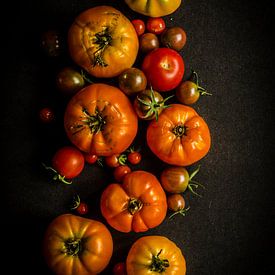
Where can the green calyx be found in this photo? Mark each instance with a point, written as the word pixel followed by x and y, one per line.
pixel 158 265
pixel 134 205
pixel 179 130
pixel 200 89
pixel 194 184
pixel 180 211
pixel 56 175
pixel 72 247
pixel 95 122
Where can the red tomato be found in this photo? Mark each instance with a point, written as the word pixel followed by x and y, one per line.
pixel 90 158
pixel 46 115
pixel 163 68
pixel 116 160
pixel 119 269
pixel 139 26
pixel 134 157
pixel 82 209
pixel 121 171
pixel 68 162
pixel 155 25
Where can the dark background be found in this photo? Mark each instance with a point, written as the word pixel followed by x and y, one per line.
pixel 229 229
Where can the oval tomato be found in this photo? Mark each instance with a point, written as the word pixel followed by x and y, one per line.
pixel 155 255
pixel 163 68
pixel 155 8
pixel 180 136
pixel 103 41
pixel 139 203
pixel 75 245
pixel 101 120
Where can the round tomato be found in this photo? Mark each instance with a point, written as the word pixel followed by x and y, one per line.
pixel 100 120
pixel 74 245
pixel 121 171
pixel 156 8
pixel 148 42
pixel 180 136
pixel 155 255
pixel 139 26
pixel 155 25
pixel 173 38
pixel 163 68
pixel 46 115
pixel 139 203
pixel 103 41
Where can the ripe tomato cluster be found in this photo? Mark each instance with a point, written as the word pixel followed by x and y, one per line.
pixel 101 120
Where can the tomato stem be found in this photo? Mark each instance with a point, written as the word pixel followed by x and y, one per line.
pixel 95 122
pixel 122 159
pixel 72 247
pixel 76 202
pixel 158 265
pixel 180 211
pixel 194 184
pixel 179 130
pixel 134 205
pixel 57 176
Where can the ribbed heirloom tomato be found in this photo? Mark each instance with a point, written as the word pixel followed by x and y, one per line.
pixel 139 203
pixel 180 136
pixel 100 120
pixel 103 41
pixel 77 246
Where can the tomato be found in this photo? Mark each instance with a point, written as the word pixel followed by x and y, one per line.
pixel 75 245
pixel 163 68
pixel 69 81
pixel 103 41
pixel 115 160
pixel 121 171
pixel 180 136
pixel 91 158
pixel 132 81
pixel 173 38
pixel 100 120
pixel 155 255
pixel 119 269
pixel 138 204
pixel 46 115
pixel 155 25
pixel 134 157
pixel 188 92
pixel 51 43
pixel 79 206
pixel 149 104
pixel 176 179
pixel 148 42
pixel 176 203
pixel 155 8
pixel 139 26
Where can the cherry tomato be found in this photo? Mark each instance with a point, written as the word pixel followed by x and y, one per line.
pixel 148 42
pixel 176 203
pixel 139 26
pixel 176 179
pixel 121 171
pixel 173 38
pixel 90 158
pixel 69 81
pixel 46 115
pixel 115 160
pixel 51 43
pixel 134 157
pixel 132 81
pixel 163 68
pixel 189 92
pixel 119 269
pixel 79 206
pixel 155 25
pixel 68 162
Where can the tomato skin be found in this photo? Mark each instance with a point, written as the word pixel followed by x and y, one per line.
pixel 173 38
pixel 90 158
pixel 163 68
pixel 155 25
pixel 90 238
pixel 100 120
pixel 68 162
pixel 46 115
pixel 175 202
pixel 121 171
pixel 130 207
pixel 100 46
pixel 139 26
pixel 119 269
pixel 180 136
pixel 155 255
pixel 148 42
pixel 134 157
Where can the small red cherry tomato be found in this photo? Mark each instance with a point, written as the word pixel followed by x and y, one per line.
pixel 121 171
pixel 90 158
pixel 134 157
pixel 46 115
pixel 139 26
pixel 119 269
pixel 115 160
pixel 155 25
pixel 79 206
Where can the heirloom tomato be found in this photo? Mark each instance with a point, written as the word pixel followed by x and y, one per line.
pixel 77 246
pixel 148 42
pixel 155 255
pixel 138 204
pixel 173 38
pixel 103 41
pixel 180 136
pixel 100 120
pixel 155 8
pixel 163 68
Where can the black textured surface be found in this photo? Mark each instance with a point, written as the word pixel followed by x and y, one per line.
pixel 229 229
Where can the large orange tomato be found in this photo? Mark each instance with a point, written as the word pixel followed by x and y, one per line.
pixel 155 255
pixel 100 120
pixel 77 246
pixel 180 136
pixel 154 8
pixel 139 203
pixel 103 41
